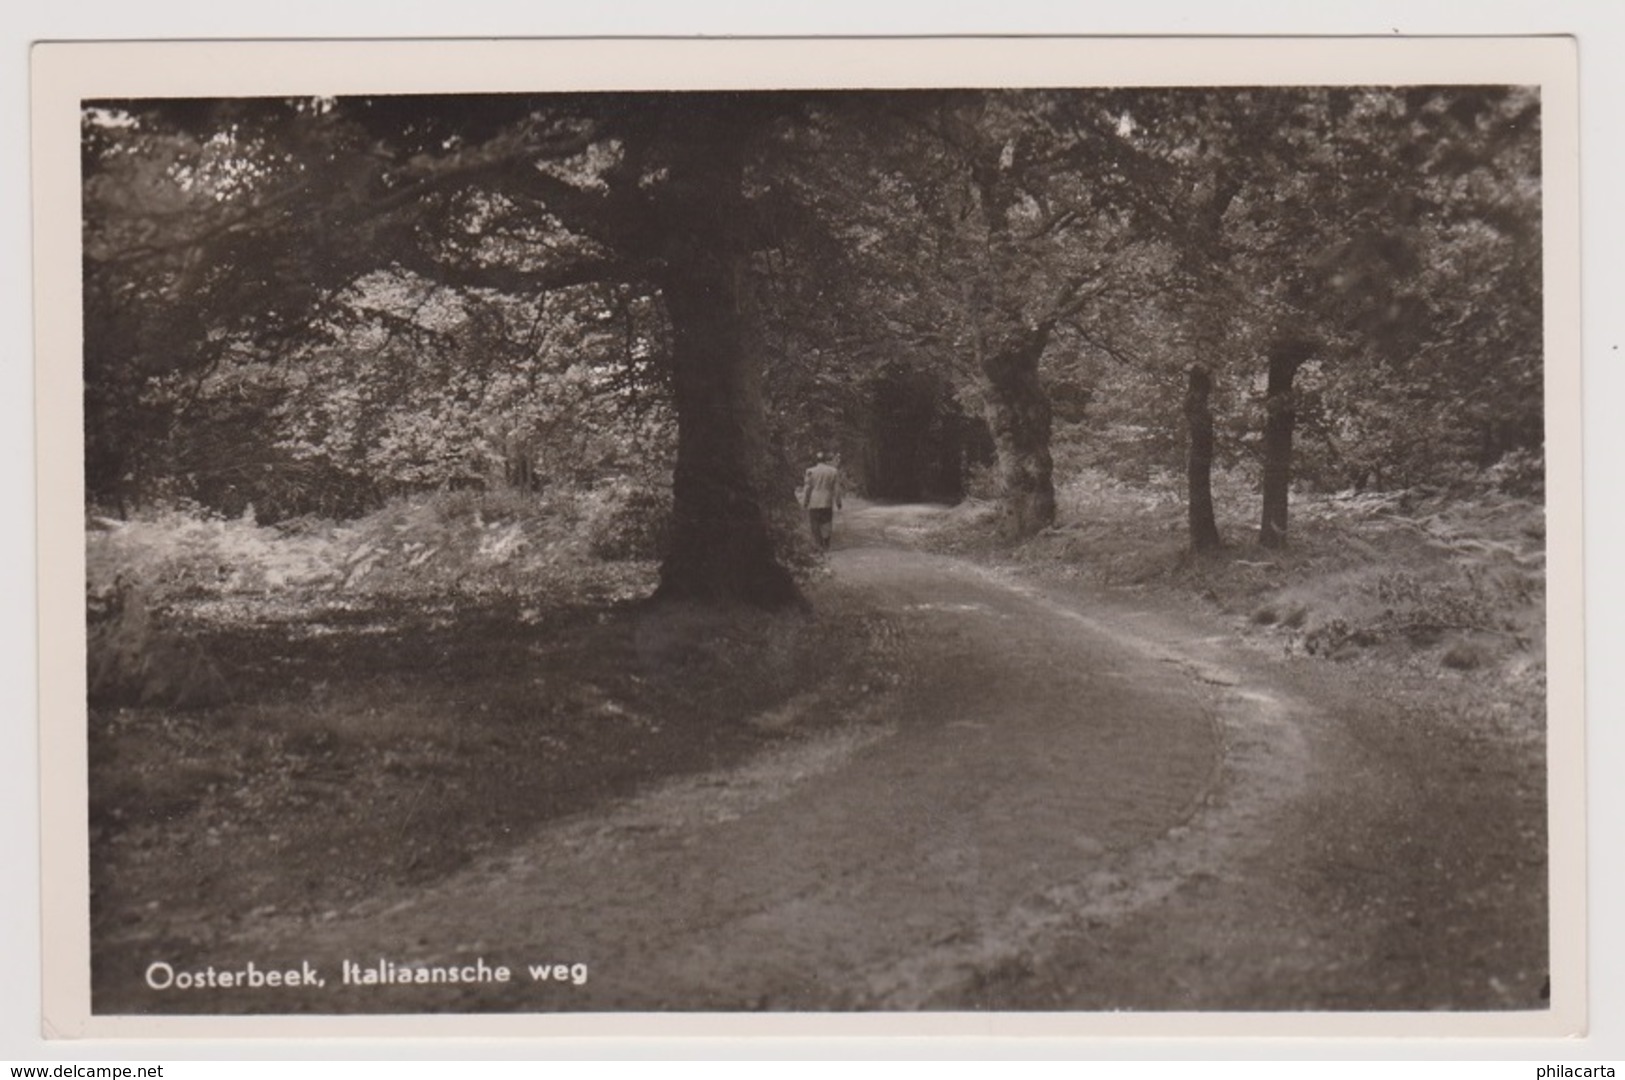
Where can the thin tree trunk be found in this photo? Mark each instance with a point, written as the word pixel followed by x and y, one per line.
pixel 1199 460
pixel 1018 414
pixel 1280 417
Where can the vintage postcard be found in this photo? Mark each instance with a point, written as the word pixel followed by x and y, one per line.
pixel 1013 536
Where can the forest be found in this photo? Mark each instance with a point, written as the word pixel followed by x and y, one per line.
pixel 313 306
pixel 401 409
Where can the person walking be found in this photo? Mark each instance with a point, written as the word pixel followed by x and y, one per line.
pixel 821 497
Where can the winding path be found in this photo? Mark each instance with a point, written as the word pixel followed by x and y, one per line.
pixel 1045 807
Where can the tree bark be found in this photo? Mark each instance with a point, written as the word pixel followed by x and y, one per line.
pixel 721 547
pixel 1280 417
pixel 1199 459
pixel 1018 414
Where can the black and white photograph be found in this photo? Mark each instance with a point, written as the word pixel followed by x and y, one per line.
pixel 1057 547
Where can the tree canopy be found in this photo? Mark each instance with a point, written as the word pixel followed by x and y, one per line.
pixel 310 304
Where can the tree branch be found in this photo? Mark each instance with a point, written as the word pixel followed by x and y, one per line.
pixel 513 280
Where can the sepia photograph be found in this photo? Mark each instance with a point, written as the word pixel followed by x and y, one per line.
pixel 1050 547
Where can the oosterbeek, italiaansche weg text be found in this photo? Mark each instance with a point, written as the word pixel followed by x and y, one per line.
pixel 161 975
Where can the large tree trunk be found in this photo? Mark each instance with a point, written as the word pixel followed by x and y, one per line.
pixel 1018 414
pixel 721 544
pixel 1280 416
pixel 1199 459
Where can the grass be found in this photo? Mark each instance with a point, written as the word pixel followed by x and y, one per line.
pixel 1433 582
pixel 288 731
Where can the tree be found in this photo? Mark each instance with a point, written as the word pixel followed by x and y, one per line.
pixel 517 196
pixel 1204 530
pixel 1328 230
pixel 1005 202
pixel 1006 244
pixel 1286 356
pixel 721 546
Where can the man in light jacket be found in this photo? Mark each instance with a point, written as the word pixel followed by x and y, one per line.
pixel 821 496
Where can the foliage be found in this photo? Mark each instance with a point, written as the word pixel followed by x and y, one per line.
pixel 447 543
pixel 309 306
pixel 147 577
pixel 1450 580
pixel 1399 231
pixel 133 659
pixel 496 394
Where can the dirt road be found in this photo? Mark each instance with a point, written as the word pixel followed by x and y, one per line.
pixel 1050 802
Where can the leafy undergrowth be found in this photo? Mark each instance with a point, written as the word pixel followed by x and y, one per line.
pixel 155 582
pixel 362 728
pixel 468 542
pixel 1446 585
